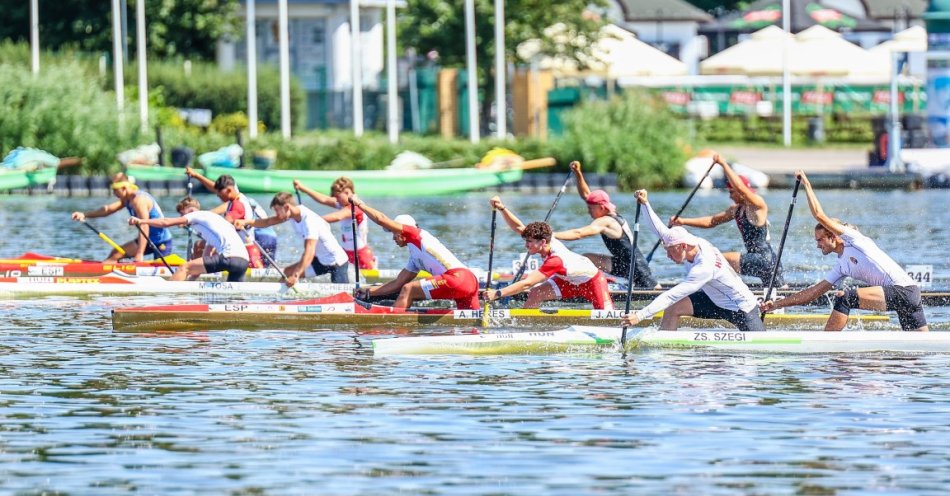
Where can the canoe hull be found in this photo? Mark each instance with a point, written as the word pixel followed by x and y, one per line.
pixel 371 183
pixel 19 178
pixel 588 339
pixel 311 315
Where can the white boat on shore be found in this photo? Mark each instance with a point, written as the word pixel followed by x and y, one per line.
pixel 590 338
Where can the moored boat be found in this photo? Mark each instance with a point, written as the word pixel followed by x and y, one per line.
pixel 589 338
pixel 155 173
pixel 342 310
pixel 421 182
pixel 26 178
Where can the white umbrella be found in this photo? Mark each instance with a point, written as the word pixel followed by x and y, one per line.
pixel 758 54
pixel 618 53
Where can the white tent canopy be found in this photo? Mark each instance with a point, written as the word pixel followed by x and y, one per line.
pixel 618 53
pixel 815 52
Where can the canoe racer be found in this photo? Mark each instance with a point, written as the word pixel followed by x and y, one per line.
pixel 139 204
pixel 224 249
pixel 320 249
pixel 613 230
pixel 861 259
pixel 711 288
pixel 563 273
pixel 450 280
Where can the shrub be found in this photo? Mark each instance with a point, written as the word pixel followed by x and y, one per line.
pixel 63 111
pixel 634 135
pixel 223 92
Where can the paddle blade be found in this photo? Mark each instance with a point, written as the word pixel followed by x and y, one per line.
pixel 111 243
pixel 486 315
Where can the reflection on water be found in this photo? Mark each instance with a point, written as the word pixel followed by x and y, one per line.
pixel 89 411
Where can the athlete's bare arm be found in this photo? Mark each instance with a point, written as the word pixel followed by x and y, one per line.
pixel 816 211
pixel 582 188
pixel 510 218
pixel 707 221
pixel 802 297
pixel 207 183
pixel 594 228
pixel 377 216
pixel 316 195
pixel 102 211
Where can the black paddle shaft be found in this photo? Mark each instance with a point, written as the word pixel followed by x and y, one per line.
pixel 631 272
pixel 524 261
pixel 781 244
pixel 680 211
pixel 356 253
pixel 154 248
pixel 491 247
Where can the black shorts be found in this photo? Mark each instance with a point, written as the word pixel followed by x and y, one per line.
pixel 760 265
pixel 620 267
pixel 338 273
pixel 165 248
pixel 704 308
pixel 235 266
pixel 905 300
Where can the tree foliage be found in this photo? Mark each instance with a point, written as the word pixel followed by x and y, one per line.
pixel 439 25
pixel 176 28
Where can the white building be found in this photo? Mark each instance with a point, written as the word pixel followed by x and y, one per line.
pixel 319 33
pixel 670 25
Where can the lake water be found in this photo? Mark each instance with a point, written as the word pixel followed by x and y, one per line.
pixel 88 411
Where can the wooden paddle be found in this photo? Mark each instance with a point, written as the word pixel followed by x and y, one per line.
pixel 155 249
pixel 631 272
pixel 491 255
pixel 105 238
pixel 680 211
pixel 781 245
pixel 524 261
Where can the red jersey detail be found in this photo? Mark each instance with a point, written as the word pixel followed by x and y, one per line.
pixel 413 235
pixel 553 265
pixel 235 210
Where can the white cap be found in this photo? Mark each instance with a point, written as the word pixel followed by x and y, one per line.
pixel 405 220
pixel 678 235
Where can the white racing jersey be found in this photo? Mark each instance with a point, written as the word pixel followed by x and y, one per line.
pixel 311 226
pixel 864 261
pixel 709 272
pixel 217 233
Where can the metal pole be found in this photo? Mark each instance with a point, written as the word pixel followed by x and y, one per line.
pixel 786 76
pixel 501 97
pixel 471 70
pixel 117 57
pixel 125 31
pixel 143 76
pixel 35 35
pixel 251 69
pixel 283 41
pixel 894 163
pixel 392 93
pixel 356 61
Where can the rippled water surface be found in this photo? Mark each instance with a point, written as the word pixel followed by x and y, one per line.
pixel 85 410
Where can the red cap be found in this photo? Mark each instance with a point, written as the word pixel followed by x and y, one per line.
pixel 600 197
pixel 745 180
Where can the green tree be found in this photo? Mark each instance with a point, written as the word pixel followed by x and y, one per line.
pixel 176 28
pixel 439 25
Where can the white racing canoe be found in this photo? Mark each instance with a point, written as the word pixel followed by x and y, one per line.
pixel 119 283
pixel 589 338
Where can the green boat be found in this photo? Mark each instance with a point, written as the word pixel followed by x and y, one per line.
pixel 425 182
pixel 26 178
pixel 155 172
